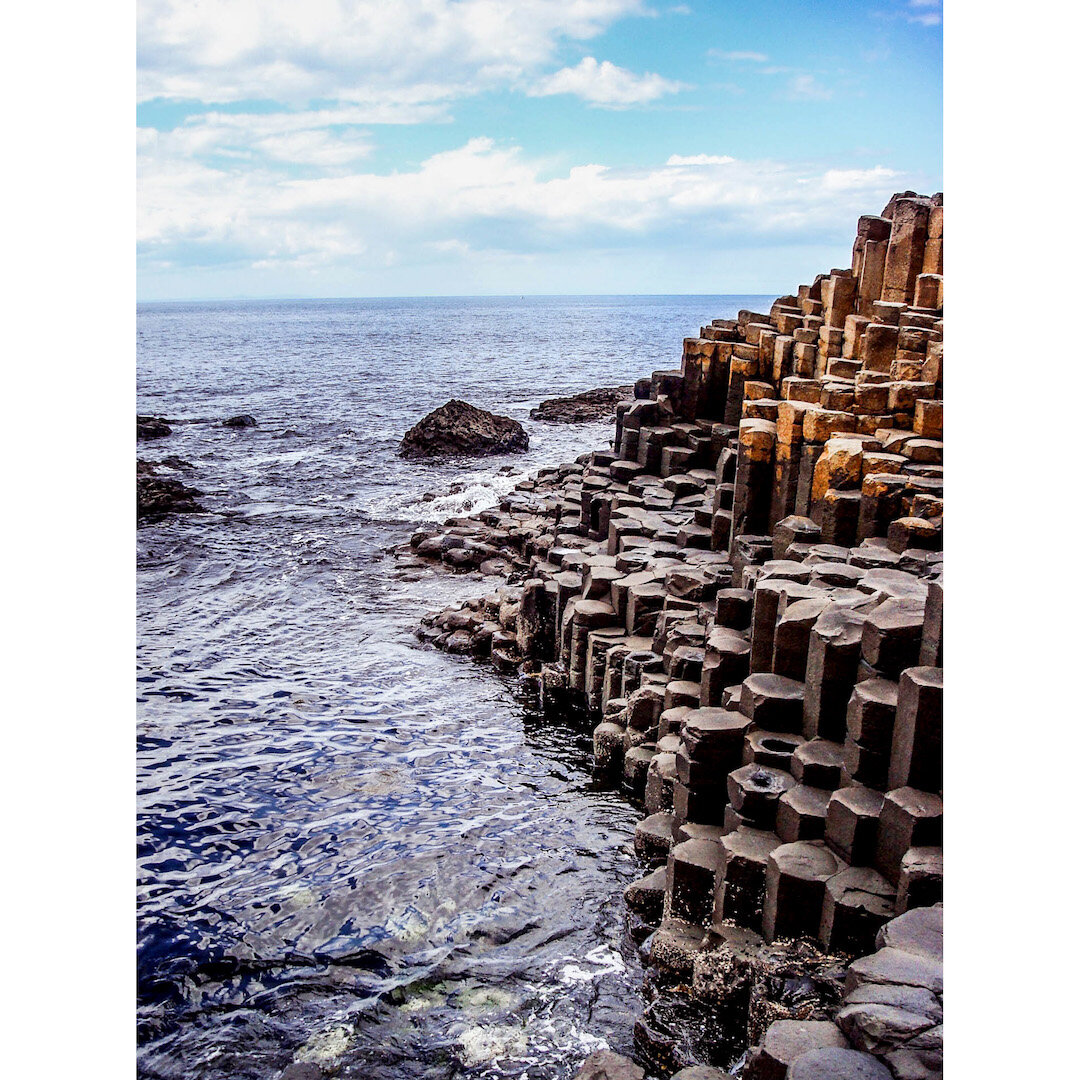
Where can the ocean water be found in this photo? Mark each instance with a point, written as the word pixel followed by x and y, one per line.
pixel 354 849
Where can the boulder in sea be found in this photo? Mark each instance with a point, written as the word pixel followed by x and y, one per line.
pixel 151 427
pixel 598 404
pixel 241 421
pixel 156 496
pixel 460 428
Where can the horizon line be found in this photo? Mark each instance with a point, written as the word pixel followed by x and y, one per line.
pixel 287 298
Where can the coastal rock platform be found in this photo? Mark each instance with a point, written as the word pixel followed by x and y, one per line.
pixel 745 592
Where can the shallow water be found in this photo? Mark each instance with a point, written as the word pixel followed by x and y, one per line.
pixel 354 849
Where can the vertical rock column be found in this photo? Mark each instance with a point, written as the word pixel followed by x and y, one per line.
pixel 868 260
pixel 907 248
pixel 753 478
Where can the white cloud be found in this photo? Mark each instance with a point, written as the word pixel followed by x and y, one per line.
pixel 807 88
pixel 323 137
pixel 479 197
pixel 602 83
pixel 752 57
pixel 698 159
pixel 857 179
pixel 406 52
pixel 925 17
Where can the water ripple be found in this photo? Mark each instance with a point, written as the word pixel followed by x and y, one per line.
pixel 353 849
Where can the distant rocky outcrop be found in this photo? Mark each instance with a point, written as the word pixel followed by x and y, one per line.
pixel 156 496
pixel 241 421
pixel 460 428
pixel 151 427
pixel 598 404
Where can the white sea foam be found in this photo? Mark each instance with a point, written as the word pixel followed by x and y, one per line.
pixel 604 960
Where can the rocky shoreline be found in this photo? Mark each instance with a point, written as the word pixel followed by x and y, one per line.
pixel 745 591
pixel 598 404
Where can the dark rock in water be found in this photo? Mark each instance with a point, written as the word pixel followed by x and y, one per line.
pixel 241 421
pixel 460 428
pixel 598 404
pixel 175 462
pixel 151 427
pixel 156 496
pixel 606 1065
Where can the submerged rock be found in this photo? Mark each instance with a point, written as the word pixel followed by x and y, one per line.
pixel 241 421
pixel 460 428
pixel 156 496
pixel 151 427
pixel 598 404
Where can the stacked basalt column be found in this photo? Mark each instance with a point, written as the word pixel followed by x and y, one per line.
pixel 746 592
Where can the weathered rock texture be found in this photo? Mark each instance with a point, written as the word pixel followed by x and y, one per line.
pixel 596 404
pixel 746 592
pixel 460 428
pixel 151 427
pixel 156 496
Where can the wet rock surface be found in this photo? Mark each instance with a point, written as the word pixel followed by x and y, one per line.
pixel 156 496
pixel 151 427
pixel 598 404
pixel 460 428
pixel 713 590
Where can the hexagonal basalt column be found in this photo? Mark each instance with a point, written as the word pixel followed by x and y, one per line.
pixel 773 702
pixel 753 792
pixel 851 823
pixel 795 888
pixel 858 902
pixel 691 875
pixel 909 818
pixel 801 813
pixel 740 886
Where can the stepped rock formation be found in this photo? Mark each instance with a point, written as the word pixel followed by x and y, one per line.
pixel 746 593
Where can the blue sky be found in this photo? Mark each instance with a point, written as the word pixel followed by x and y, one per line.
pixel 426 147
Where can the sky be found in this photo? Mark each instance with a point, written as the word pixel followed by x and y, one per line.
pixel 335 148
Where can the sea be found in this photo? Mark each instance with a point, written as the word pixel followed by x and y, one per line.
pixel 355 850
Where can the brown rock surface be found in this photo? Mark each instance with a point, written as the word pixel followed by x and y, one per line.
pixel 460 428
pixel 598 404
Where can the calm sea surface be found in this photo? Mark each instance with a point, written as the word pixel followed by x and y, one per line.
pixel 353 849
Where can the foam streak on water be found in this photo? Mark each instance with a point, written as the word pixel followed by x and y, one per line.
pixel 354 849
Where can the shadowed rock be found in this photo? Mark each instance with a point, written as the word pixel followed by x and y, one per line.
pixel 460 428
pixel 156 496
pixel 598 404
pixel 151 427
